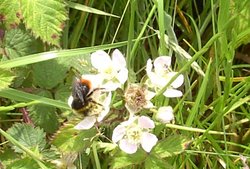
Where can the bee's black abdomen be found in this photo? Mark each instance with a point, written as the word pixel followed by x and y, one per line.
pixel 77 104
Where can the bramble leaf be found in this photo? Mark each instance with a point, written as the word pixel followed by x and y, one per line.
pixel 6 78
pixel 9 13
pixel 43 115
pixel 170 146
pixel 18 42
pixel 45 18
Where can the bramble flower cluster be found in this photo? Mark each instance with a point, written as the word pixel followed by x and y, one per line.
pixel 112 74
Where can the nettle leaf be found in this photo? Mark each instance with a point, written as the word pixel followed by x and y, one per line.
pixel 121 159
pixel 6 78
pixel 43 115
pixel 170 146
pixel 48 74
pixel 156 163
pixel 45 18
pixel 18 42
pixel 28 136
pixel 68 139
pixel 10 13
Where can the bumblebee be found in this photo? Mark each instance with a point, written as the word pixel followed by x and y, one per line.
pixel 81 100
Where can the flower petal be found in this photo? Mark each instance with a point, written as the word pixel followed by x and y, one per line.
pixel 172 93
pixel 149 66
pixel 100 60
pixel 148 141
pixel 118 59
pixel 122 76
pixel 118 133
pixel 111 86
pixel 96 80
pixel 178 81
pixel 106 107
pixel 86 123
pixel 127 147
pixel 165 114
pixel 149 95
pixel 70 100
pixel 145 122
pixel 162 64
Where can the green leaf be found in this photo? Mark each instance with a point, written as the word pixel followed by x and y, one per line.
pixel 48 74
pixel 28 136
pixel 7 156
pixel 45 18
pixel 68 139
pixel 85 8
pixel 9 11
pixel 170 146
pixel 122 159
pixel 18 42
pixel 27 97
pixel 6 78
pixel 44 116
pixel 152 162
pixel 25 163
pixel 56 54
pixel 63 92
pixel 29 163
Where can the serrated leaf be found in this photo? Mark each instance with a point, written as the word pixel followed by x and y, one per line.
pixel 156 163
pixel 9 11
pixel 68 139
pixel 6 78
pixel 28 163
pixel 18 42
pixel 44 116
pixel 170 146
pixel 63 92
pixel 28 136
pixel 122 159
pixel 48 74
pixel 7 156
pixel 45 18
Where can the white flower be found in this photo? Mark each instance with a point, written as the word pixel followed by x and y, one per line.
pixel 113 71
pixel 161 75
pixel 138 97
pixel 134 132
pixel 97 113
pixel 165 114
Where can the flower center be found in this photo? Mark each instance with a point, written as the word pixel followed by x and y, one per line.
pixel 133 134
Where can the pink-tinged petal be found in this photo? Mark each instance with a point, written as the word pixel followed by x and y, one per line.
pixel 122 76
pixel 70 100
pixel 165 114
pixel 162 64
pixel 148 141
pixel 127 147
pixel 118 133
pixel 86 123
pixel 145 122
pixel 118 59
pixel 100 60
pixel 178 81
pixel 172 93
